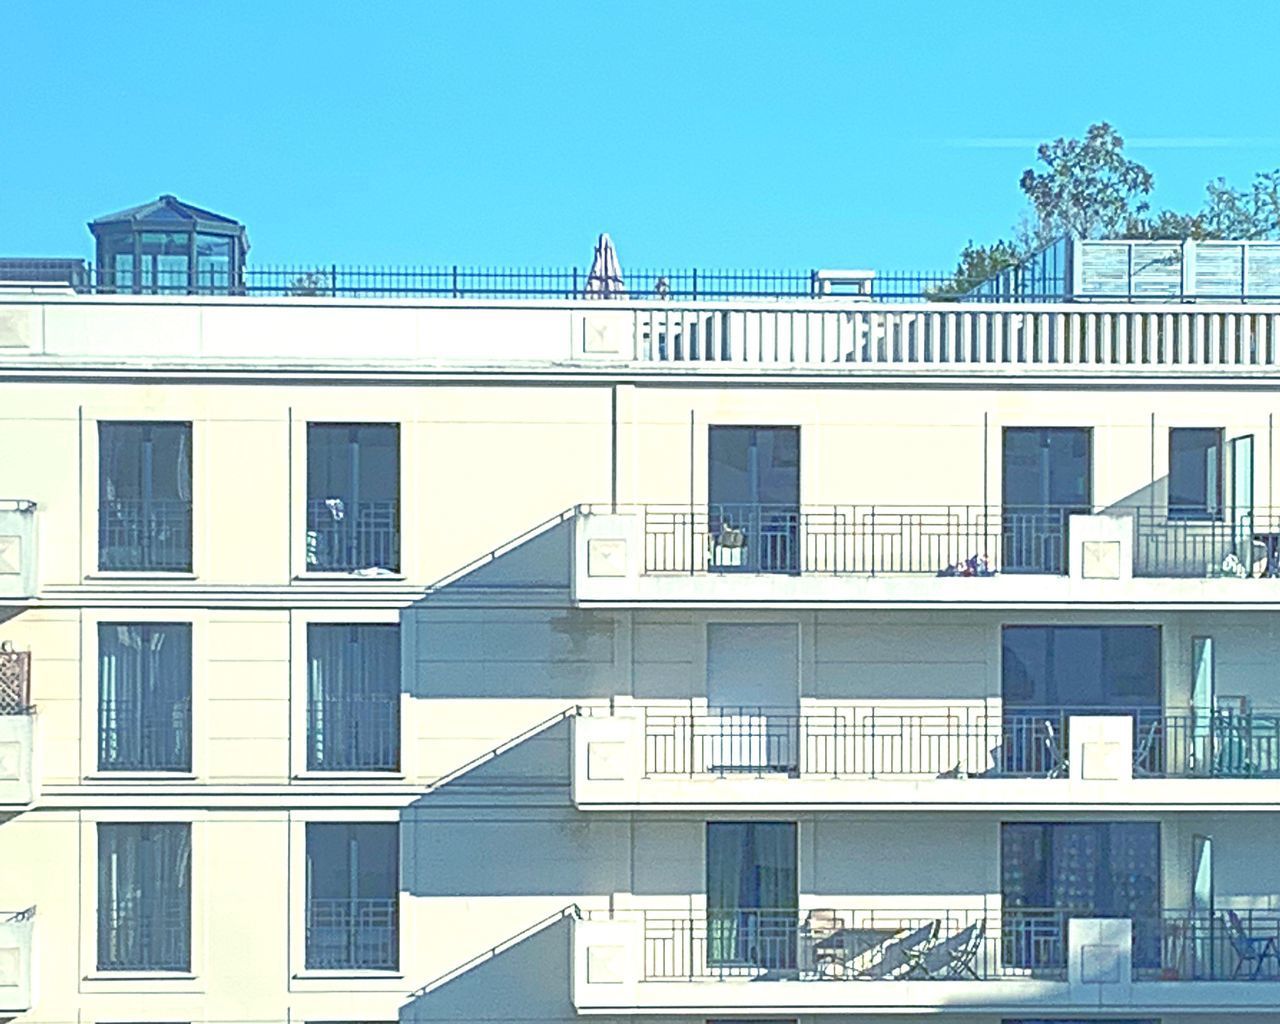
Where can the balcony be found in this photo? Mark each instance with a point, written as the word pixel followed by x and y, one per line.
pixel 17 729
pixel 16 933
pixel 882 754
pixel 17 549
pixel 958 958
pixel 969 555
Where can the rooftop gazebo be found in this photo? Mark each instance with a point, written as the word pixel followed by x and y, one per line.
pixel 170 247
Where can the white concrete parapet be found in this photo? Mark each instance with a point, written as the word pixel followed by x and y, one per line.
pixel 16 935
pixel 1101 547
pixel 17 760
pixel 1100 960
pixel 1100 748
pixel 607 961
pixel 608 758
pixel 17 549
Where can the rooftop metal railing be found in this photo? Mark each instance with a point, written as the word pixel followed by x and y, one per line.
pixel 1051 283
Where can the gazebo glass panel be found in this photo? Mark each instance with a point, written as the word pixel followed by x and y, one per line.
pixel 166 259
pixel 213 263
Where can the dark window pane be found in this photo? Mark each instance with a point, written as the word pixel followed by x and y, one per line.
pixel 1081 666
pixel 352 891
pixel 1195 472
pixel 144 499
pixel 144 897
pixel 353 697
pixel 353 497
pixel 1051 872
pixel 144 696
pixel 754 498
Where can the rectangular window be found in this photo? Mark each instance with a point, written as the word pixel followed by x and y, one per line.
pixel 353 882
pixel 144 897
pixel 144 497
pixel 353 497
pixel 144 696
pixel 752 894
pixel 1052 872
pixel 1083 668
pixel 1195 472
pixel 353 697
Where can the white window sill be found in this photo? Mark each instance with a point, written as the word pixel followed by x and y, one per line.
pixel 173 976
pixel 130 776
pixel 351 975
pixel 159 575
pixel 349 777
pixel 328 577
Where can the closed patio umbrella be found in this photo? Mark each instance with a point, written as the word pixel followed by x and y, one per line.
pixel 605 279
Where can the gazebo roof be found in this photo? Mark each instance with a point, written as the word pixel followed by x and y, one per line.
pixel 170 211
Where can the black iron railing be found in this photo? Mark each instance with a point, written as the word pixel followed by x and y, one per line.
pixel 977 944
pixel 1210 945
pixel 144 535
pixel 933 540
pixel 145 933
pixel 1201 543
pixel 457 281
pixel 867 944
pixel 354 734
pixel 345 536
pixel 352 934
pixel 144 735
pixel 947 540
pixel 958 741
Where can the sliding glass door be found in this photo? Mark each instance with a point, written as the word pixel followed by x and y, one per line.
pixel 752 896
pixel 753 514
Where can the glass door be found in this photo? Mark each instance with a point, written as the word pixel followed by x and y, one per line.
pixel 753 693
pixel 1202 706
pixel 1240 495
pixel 1047 476
pixel 752 897
pixel 753 518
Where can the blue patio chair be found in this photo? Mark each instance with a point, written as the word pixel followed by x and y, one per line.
pixel 1251 950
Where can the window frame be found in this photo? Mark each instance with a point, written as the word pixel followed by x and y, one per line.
pixel 147 626
pixel 1213 508
pixel 180 831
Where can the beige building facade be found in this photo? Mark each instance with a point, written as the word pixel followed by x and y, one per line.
pixel 503 660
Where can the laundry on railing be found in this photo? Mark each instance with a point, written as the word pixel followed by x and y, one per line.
pixel 974 565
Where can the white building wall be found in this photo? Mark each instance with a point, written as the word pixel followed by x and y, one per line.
pixel 489 452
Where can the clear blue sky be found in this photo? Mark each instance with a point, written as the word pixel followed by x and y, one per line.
pixel 782 133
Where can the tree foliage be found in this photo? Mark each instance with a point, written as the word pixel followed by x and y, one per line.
pixel 1088 188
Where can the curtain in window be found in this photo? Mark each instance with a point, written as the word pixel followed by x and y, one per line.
pixel 144 897
pixel 751 893
pixel 353 697
pixel 144 518
pixel 144 697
